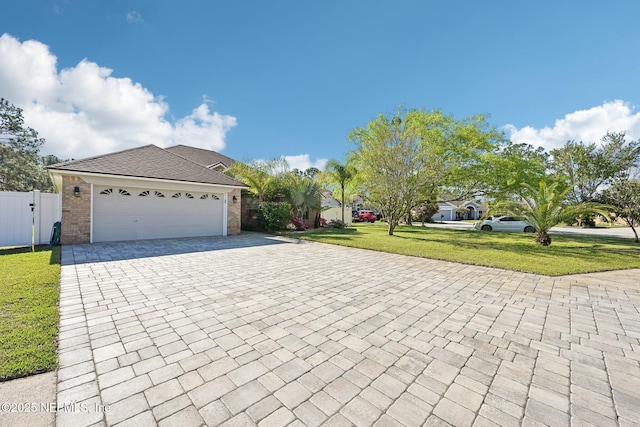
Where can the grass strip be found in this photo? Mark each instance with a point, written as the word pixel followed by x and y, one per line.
pixel 29 283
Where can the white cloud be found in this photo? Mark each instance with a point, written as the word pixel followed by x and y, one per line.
pixel 303 162
pixel 134 17
pixel 583 125
pixel 84 111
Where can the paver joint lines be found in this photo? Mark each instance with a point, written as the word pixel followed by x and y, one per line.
pixel 255 330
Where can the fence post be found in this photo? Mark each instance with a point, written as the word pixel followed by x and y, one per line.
pixel 37 208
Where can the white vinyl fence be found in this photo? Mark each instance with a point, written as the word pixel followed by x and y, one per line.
pixel 336 213
pixel 17 217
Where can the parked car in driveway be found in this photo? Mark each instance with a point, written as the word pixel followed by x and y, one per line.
pixel 504 223
pixel 365 215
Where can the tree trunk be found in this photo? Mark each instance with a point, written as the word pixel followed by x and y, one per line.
pixel 392 226
pixel 543 238
pixel 635 232
pixel 343 203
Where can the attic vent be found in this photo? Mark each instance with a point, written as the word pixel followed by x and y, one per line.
pixel 188 196
pixel 204 196
pixel 144 193
pixel 107 191
pixel 124 192
pixel 159 194
pixel 177 195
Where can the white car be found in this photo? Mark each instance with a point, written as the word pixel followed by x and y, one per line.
pixel 504 223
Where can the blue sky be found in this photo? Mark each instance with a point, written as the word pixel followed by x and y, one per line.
pixel 258 79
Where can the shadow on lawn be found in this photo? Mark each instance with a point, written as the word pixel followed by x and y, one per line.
pixel 331 233
pixel 588 248
pixel 53 259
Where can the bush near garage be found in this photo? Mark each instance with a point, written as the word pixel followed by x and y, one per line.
pixel 273 216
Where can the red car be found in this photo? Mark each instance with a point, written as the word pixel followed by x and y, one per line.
pixel 366 216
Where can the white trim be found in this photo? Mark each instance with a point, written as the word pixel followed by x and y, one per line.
pixel 91 217
pixel 214 167
pixel 225 213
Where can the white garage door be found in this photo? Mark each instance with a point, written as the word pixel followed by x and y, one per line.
pixel 139 213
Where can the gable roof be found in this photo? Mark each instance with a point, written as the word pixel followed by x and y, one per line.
pixel 206 158
pixel 148 161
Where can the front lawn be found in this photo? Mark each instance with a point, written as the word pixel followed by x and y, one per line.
pixel 568 254
pixel 28 310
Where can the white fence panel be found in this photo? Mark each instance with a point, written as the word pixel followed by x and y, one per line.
pixel 50 213
pixel 336 214
pixel 17 217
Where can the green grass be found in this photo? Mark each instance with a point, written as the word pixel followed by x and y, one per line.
pixel 28 310
pixel 568 254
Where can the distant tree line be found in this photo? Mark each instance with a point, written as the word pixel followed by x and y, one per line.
pixel 22 168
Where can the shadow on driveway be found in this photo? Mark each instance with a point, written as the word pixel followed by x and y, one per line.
pixel 127 250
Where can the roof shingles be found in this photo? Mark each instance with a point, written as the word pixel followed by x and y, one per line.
pixel 201 156
pixel 148 161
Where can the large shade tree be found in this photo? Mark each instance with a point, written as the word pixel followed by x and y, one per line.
pixel 589 168
pixel 392 164
pixel 416 156
pixel 544 206
pixel 624 197
pixel 21 167
pixel 511 166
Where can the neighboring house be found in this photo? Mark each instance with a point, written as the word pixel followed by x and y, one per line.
pixel 146 193
pixel 332 208
pixel 450 211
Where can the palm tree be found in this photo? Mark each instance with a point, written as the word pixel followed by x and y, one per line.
pixel 339 174
pixel 304 194
pixel 260 175
pixel 545 207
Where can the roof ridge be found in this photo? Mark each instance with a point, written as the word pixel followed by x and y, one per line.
pixel 200 149
pixel 195 163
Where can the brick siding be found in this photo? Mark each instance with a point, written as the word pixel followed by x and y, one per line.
pixel 76 211
pixel 234 213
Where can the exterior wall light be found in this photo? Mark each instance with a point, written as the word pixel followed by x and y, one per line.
pixel 76 191
pixel 235 199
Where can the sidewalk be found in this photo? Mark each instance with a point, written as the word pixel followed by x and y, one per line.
pixel 28 401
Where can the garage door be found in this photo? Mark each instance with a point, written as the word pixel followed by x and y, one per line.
pixel 139 213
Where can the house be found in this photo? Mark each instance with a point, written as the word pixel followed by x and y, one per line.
pixel 147 193
pixel 332 208
pixel 451 211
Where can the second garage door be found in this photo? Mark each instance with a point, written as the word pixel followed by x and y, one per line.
pixel 139 213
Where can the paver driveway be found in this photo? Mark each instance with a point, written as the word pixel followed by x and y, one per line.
pixel 255 330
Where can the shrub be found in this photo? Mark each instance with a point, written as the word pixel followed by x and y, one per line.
pixel 299 224
pixel 248 227
pixel 274 216
pixel 336 223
